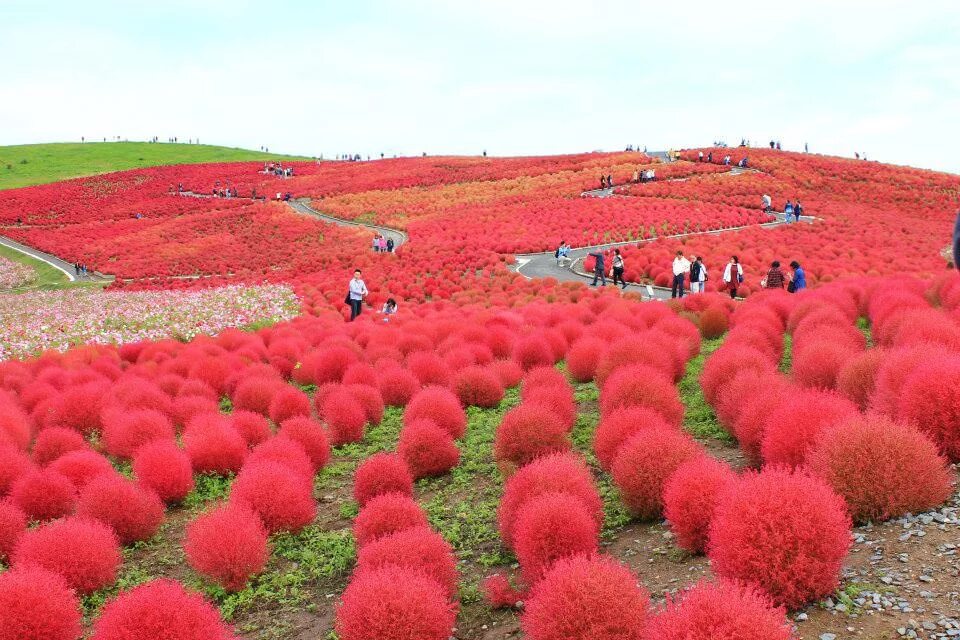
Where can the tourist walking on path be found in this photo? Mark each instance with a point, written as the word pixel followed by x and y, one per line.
pixel 797 211
pixel 798 280
pixel 733 276
pixel 598 269
pixel 357 292
pixel 698 276
pixel 680 268
pixel 390 245
pixel 774 278
pixel 376 243
pixel 618 268
pixel 382 244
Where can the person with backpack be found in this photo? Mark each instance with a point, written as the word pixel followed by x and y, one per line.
pixel 681 266
pixel 558 254
pixel 698 276
pixel 598 268
pixel 357 291
pixel 733 276
pixel 618 266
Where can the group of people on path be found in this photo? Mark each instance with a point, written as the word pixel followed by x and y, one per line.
pixel 790 209
pixel 600 268
pixel 80 269
pixel 357 293
pixel 381 244
pixel 277 169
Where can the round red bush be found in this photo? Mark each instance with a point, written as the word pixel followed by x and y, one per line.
pixel 645 462
pixel 883 469
pixel 160 609
pixel 533 350
pixel 370 399
pixel 345 416
pixel 385 514
pixel 639 385
pixel 83 551
pixel 13 524
pixel 440 405
pixel 325 364
pixel 549 527
pixel 381 473
pixel 36 604
pixel 429 368
pixel 817 365
pixel 555 473
pixel 722 609
pixel 540 377
pixel 930 401
pixel 133 512
pixel 592 597
pixel 750 422
pixel 634 350
pixel 726 362
pixel 281 497
pixel 255 393
pixel 14 463
pixel 54 442
pixel 893 372
pixel 44 494
pixel 124 431
pixel 791 428
pixel 394 603
pixel 857 377
pixel 417 550
pixel 252 427
pixel 397 385
pixel 507 371
pixel 427 449
pixel 228 545
pixel 478 387
pixel 165 469
pixel 213 445
pixel 689 497
pixel 287 452
pixel 311 436
pixel 499 593
pixel 14 423
pixel 785 533
pixel 527 432
pixel 289 402
pixel 556 399
pixel 583 357
pixel 713 322
pixel 616 427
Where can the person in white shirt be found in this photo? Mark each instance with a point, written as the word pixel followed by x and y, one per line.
pixel 680 268
pixel 358 291
pixel 733 276
pixel 767 203
pixel 698 276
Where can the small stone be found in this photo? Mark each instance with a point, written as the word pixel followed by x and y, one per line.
pixel 929 626
pixel 828 636
pixel 801 617
pixel 925 579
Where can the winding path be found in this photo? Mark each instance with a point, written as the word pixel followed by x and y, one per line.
pixel 53 261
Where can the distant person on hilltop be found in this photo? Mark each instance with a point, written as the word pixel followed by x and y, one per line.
pixel 774 278
pixel 733 276
pixel 598 268
pixel 681 266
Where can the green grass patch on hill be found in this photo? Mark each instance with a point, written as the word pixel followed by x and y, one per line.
pixel 29 164
pixel 46 277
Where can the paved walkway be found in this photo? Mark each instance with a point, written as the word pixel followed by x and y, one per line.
pixel 302 205
pixel 53 261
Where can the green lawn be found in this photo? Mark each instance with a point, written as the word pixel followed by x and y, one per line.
pixel 24 165
pixel 47 277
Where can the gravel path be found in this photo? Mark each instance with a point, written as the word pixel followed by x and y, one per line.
pixel 53 261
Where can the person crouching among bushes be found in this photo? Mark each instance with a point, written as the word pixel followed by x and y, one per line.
pixel 798 279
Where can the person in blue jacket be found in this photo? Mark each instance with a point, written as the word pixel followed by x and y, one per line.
pixel 956 242
pixel 799 281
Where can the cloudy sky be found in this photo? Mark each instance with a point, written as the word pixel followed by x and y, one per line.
pixel 508 76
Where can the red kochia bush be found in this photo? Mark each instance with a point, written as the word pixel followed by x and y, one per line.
pixel 583 356
pixel 255 393
pixel 639 385
pixel 714 322
pixel 533 351
pixel 134 513
pixel 385 514
pixel 791 428
pixel 857 376
pixel 381 473
pixel 36 604
pixel 617 426
pixel 507 371
pixel 549 527
pixel 228 545
pixel 930 400
pixel 84 551
pixel 417 549
pixel 397 385
pixel 44 494
pixel 13 523
pixel 287 452
pixel 344 415
pixel 817 365
pixel 54 442
pixel 690 496
pixel 125 430
pixel 427 448
pixel 281 498
pixel 213 445
pixel 785 533
pixel 478 387
pixel 14 462
pixel 441 406
pixel 289 402
pixel 499 593
pixel 588 597
pixel 726 362
pixel 311 436
pixel 720 609
pixel 556 399
pixel 160 609
pixel 555 473
pixel 394 603
pixel 883 469
pixel 749 424
pixel 252 427
pixel 164 468
pixel 645 462
pixel 528 431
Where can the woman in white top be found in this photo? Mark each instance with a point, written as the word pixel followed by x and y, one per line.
pixel 733 275
pixel 358 290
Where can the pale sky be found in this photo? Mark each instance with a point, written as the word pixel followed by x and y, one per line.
pixel 509 76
